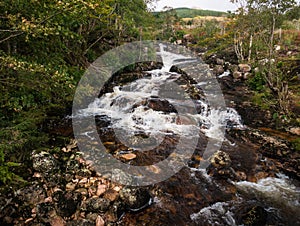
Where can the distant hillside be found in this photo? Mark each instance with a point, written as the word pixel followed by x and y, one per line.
pixel 191 13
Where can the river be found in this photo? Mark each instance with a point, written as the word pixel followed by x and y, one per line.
pixel 223 182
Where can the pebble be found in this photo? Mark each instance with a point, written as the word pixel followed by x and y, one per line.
pixel 100 189
pixel 100 221
pixel 129 156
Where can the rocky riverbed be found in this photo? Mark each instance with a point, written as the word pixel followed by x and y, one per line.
pixel 252 180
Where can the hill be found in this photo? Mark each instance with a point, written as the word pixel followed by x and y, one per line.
pixel 191 13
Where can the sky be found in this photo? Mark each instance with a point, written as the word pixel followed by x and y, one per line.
pixel 219 5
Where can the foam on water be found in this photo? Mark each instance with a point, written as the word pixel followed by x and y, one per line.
pixel 279 192
pixel 119 106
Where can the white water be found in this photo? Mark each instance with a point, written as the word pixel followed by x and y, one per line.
pixel 118 105
pixel 275 193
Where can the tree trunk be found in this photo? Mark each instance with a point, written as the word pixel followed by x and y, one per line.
pixel 250 48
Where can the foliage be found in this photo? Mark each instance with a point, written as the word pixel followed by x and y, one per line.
pixel 166 22
pixel 44 48
pixel 256 24
pixel 296 144
pixel 257 82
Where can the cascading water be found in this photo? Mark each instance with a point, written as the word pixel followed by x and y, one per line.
pixel 118 106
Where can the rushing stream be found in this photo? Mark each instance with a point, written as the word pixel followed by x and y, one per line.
pixel 137 108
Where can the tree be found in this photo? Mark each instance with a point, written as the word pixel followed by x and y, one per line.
pixel 259 19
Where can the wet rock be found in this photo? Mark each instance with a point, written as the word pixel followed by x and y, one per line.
pixel 102 120
pixel 220 166
pixel 135 198
pixel 251 215
pixel 160 105
pixel 44 162
pixel 220 159
pixel 216 214
pixel 96 204
pixel 68 203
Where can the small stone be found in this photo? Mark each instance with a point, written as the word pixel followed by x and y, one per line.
pixel 92 190
pixel 100 189
pixel 82 191
pixel 111 195
pixel 44 162
pixel 295 131
pixel 117 188
pixel 246 75
pixel 154 169
pixel 184 120
pixel 261 175
pixel 92 216
pixel 218 69
pixel 233 68
pixel 44 210
pixel 83 182
pixel 96 204
pixel 241 175
pixel 129 156
pixel 135 198
pixel 237 75
pixel 100 221
pixel 57 221
pixel 244 68
pixel 81 222
pixel 220 159
pixel 70 186
pixel 37 175
pixel 32 194
pixel 220 61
